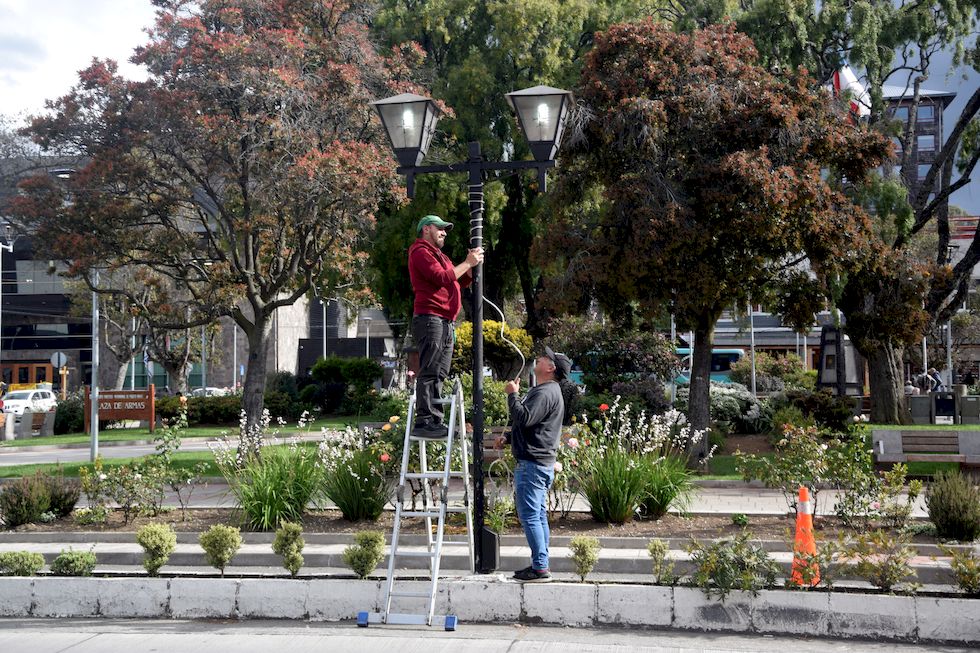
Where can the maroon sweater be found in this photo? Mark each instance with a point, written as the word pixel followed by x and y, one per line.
pixel 434 281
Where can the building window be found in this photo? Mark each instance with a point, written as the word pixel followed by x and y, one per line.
pixel 927 142
pixel 901 113
pixel 898 144
pixel 924 170
pixel 926 113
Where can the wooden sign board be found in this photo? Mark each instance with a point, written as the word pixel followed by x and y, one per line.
pixel 123 404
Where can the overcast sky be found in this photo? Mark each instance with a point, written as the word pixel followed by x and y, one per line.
pixel 44 43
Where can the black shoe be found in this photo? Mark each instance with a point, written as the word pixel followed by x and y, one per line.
pixel 430 431
pixel 522 571
pixel 531 575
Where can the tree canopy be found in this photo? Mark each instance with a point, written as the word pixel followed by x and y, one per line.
pixel 702 175
pixel 246 169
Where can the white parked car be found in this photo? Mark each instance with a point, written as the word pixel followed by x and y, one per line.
pixel 208 392
pixel 36 401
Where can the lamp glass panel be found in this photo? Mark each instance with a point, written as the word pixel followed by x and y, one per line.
pixel 405 123
pixel 539 116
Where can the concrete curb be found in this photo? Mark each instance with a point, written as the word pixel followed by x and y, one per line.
pixel 490 599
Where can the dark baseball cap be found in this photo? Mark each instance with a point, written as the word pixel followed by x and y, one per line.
pixel 434 220
pixel 563 365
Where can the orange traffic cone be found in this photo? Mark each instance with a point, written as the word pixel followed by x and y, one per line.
pixel 804 544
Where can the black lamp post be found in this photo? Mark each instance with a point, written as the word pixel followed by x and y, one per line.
pixel 410 122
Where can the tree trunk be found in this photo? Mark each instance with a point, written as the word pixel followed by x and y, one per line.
pixel 887 386
pixel 122 375
pixel 259 337
pixel 699 404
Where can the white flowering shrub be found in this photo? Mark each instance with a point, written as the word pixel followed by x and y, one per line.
pixel 734 409
pixel 356 474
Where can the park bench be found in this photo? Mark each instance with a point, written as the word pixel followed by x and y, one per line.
pixel 947 446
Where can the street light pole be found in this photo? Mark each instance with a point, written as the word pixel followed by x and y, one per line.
pixel 409 121
pixel 4 247
pixel 94 426
pixel 367 337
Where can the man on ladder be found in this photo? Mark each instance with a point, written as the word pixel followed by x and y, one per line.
pixel 436 283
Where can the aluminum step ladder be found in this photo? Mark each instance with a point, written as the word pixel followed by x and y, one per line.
pixel 455 437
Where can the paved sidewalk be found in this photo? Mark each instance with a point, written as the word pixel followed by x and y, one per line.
pixel 125 636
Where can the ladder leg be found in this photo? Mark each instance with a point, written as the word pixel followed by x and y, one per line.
pixel 399 502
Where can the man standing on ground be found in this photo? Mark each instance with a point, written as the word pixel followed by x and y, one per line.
pixel 436 282
pixel 535 431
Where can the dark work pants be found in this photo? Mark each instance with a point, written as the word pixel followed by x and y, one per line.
pixel 434 338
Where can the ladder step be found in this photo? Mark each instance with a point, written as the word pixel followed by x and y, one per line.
pixel 421 513
pixel 443 400
pixel 434 475
pixel 416 554
pixel 410 595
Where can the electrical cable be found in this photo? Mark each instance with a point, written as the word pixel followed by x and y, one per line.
pixel 503 323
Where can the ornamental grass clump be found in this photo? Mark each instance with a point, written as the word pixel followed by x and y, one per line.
pixel 585 553
pixel 277 485
pixel 289 544
pixel 158 542
pixel 24 501
pixel 220 544
pixel 354 475
pixel 74 563
pixel 628 464
pixel 366 553
pixel 20 563
pixel 954 507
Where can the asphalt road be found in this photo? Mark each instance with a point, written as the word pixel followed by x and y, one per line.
pixel 126 636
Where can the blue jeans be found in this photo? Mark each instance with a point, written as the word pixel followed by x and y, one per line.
pixel 531 483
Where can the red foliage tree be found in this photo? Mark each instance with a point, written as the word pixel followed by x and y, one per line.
pixel 703 179
pixel 243 173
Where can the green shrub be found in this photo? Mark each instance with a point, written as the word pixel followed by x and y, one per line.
pixel 615 484
pixel 358 486
pixel 69 416
pixel 965 566
pixel 158 542
pixel 279 404
pixel 954 506
pixel 74 563
pixel 740 519
pixel 882 559
pixel 220 544
pixel 388 403
pixel 669 484
pixel 20 563
pixel 726 565
pixel 284 382
pixel 24 501
pixel 733 408
pixel 63 493
pixel 357 376
pixel 211 411
pixel 663 566
pixel 495 410
pixel 829 410
pixel 585 553
pixel 792 416
pixel 289 544
pixel 366 553
pixel 278 487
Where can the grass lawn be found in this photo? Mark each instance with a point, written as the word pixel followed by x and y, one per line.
pixel 182 460
pixel 126 435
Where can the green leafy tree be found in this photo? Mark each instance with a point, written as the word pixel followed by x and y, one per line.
pixel 476 52
pixel 703 171
pixel 894 43
pixel 246 169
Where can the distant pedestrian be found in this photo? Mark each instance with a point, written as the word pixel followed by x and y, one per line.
pixel 969 379
pixel 938 384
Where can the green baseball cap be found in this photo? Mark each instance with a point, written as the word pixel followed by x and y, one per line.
pixel 434 220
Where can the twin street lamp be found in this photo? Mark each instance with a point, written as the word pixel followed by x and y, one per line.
pixel 410 122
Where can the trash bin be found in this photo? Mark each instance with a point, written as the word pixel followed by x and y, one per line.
pixel 944 407
pixel 920 406
pixel 970 409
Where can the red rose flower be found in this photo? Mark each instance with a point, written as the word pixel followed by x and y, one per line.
pixel 603 407
pixel 385 457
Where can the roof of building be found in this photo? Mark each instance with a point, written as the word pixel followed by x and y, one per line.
pixel 890 92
